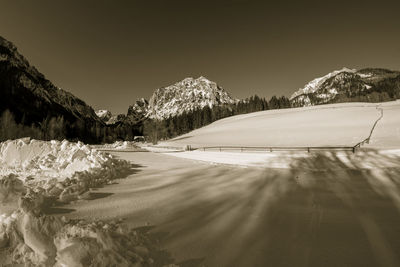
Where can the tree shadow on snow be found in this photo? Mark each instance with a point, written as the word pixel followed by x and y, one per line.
pixel 329 209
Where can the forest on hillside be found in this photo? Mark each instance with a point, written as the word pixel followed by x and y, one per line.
pixel 57 128
pixel 156 130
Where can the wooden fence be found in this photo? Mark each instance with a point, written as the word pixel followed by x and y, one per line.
pixel 277 148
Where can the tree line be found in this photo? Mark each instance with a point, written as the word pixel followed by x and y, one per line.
pixel 56 128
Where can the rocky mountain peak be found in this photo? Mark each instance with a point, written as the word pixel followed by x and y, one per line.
pixel 186 95
pixel 371 85
pixel 103 114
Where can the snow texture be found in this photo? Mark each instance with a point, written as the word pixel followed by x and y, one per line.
pixel 33 175
pixel 63 170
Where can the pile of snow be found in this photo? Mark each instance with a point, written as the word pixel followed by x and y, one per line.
pixel 120 145
pixel 31 239
pixel 35 173
pixel 26 157
pixel 61 170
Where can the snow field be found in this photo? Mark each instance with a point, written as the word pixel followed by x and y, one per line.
pixel 343 124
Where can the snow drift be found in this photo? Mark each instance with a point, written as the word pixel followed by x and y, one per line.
pixel 30 239
pixel 119 145
pixel 54 169
pixel 34 175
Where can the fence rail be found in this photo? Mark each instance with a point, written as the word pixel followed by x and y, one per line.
pixel 243 148
pixel 278 148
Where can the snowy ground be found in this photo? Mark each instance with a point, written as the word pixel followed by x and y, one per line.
pixel 387 131
pixel 343 124
pixel 362 159
pixel 327 125
pixel 319 211
pixel 282 209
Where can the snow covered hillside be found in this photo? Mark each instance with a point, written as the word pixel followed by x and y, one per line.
pixel 325 125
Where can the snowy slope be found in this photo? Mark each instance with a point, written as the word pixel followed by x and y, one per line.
pixel 387 131
pixel 325 125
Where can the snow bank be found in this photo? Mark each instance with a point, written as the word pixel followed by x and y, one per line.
pixel 35 173
pixel 50 159
pixel 61 170
pixel 120 145
pixel 30 240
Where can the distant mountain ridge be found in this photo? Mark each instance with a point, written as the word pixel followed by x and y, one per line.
pixel 365 85
pixel 31 97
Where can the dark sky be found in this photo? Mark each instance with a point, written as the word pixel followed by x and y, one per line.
pixel 111 52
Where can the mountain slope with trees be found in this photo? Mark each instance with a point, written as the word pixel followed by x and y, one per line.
pixel 30 100
pixel 173 126
pixel 350 85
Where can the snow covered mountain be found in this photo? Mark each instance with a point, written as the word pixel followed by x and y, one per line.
pixel 103 114
pixel 31 97
pixel 186 95
pixel 109 119
pixel 370 85
pixel 137 112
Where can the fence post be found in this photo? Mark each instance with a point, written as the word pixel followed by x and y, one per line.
pixel 354 149
pixel 219 149
pixel 308 149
